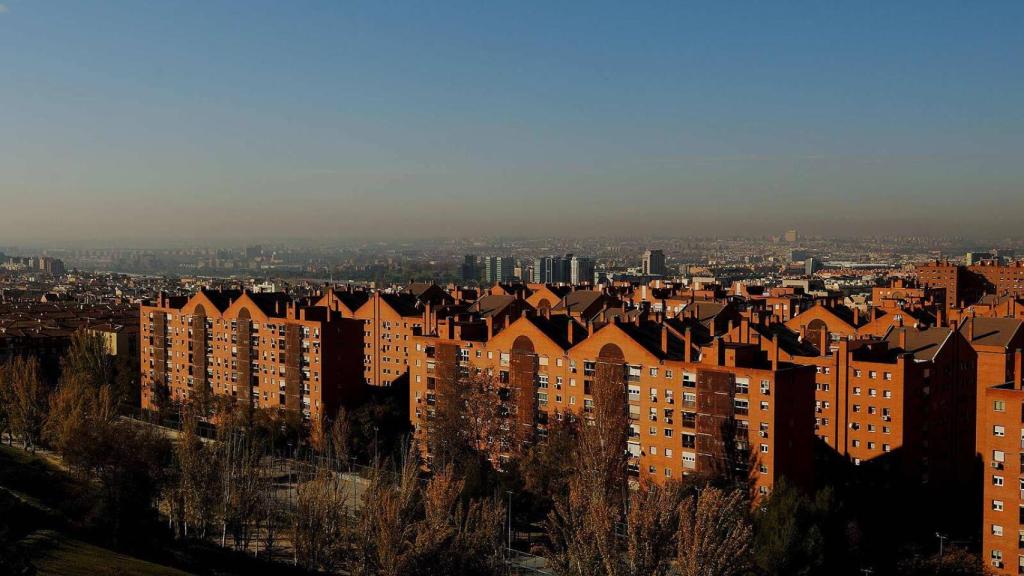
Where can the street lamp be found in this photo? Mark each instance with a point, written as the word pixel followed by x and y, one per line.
pixel 942 540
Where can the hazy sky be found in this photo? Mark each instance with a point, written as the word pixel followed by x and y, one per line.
pixel 155 120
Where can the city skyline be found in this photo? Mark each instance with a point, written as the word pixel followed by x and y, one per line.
pixel 337 122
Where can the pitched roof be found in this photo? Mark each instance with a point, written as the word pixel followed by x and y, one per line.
pixel 992 331
pixel 403 304
pixel 557 329
pixel 492 305
pixel 923 344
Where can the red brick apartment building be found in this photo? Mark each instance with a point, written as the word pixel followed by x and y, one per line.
pixel 390 320
pixel 685 388
pixel 965 285
pixel 1002 452
pixel 906 399
pixel 262 349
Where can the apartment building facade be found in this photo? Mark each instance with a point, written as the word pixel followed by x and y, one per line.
pixel 692 408
pixel 1002 452
pixel 261 349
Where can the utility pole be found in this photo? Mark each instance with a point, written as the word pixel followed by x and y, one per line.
pixel 942 540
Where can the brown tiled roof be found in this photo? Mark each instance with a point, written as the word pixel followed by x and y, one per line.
pixel 992 331
pixel 922 344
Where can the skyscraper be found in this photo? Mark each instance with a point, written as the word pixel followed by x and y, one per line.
pixel 470 268
pixel 654 263
pixel 581 270
pixel 499 269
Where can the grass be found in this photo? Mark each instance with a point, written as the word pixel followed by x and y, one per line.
pixel 61 556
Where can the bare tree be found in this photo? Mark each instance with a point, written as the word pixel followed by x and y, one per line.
pixel 714 534
pixel 651 522
pixel 318 522
pixel 26 398
pixel 582 527
pixel 384 535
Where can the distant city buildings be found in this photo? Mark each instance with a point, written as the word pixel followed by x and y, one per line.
pixel 653 263
pixel 498 269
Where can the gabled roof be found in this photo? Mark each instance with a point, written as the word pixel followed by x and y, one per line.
pixel 417 289
pixel 992 331
pixel 221 299
pixel 556 329
pixel 404 304
pixel 492 305
pixel 788 340
pixel 351 299
pixel 923 344
pixel 648 335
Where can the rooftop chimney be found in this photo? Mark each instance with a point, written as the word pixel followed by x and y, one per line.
pixel 970 328
pixel 1018 366
pixel 687 350
pixel 569 334
pixel 903 339
pixel 664 339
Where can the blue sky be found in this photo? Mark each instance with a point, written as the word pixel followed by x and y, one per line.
pixel 345 119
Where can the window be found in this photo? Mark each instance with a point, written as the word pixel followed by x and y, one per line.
pixel 689 460
pixel 856 390
pixel 998 431
pixel 742 386
pixel 872 374
pixel 887 375
pixel 764 405
pixel 764 448
pixel 997 530
pixel 765 387
pixel 857 373
pixel 997 480
pixel 999 405
pixel 997 505
pixel 872 392
pixel 887 393
pixel 654 371
pixel 668 373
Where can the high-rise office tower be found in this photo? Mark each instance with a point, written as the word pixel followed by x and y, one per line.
pixel 581 270
pixel 654 263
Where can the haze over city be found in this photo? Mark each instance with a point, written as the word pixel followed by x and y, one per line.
pixel 322 120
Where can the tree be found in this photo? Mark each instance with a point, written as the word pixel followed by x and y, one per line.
pixel 339 439
pixel 384 537
pixel 87 360
pixel 318 523
pixel 470 426
pixel 190 496
pixel 651 522
pixel 582 526
pixel 796 534
pixel 26 398
pixel 714 534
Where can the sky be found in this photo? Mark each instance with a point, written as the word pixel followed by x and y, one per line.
pixel 145 121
